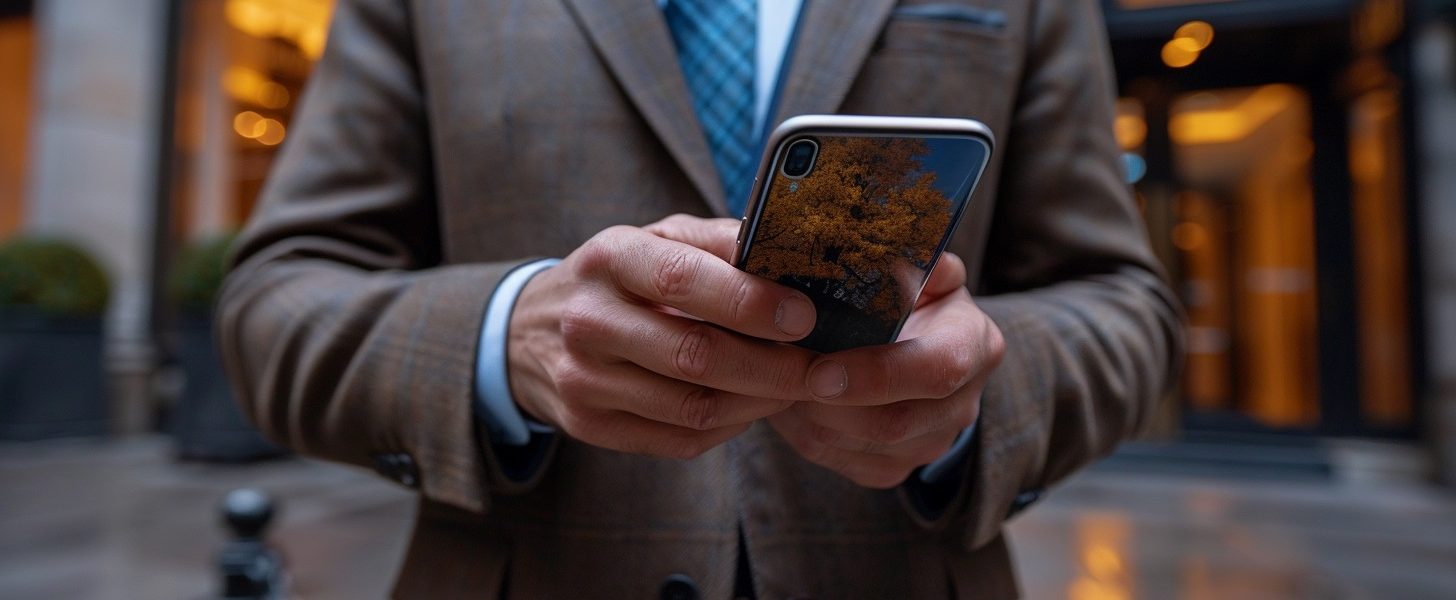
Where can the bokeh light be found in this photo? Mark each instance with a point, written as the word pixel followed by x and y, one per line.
pixel 266 131
pixel 248 85
pixel 1198 33
pixel 1188 42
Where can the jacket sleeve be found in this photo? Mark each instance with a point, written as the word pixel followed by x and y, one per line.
pixel 344 334
pixel 1093 333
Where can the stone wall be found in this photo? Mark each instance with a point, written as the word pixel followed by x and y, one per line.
pixel 97 82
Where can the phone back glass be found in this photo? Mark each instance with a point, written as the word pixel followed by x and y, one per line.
pixel 860 232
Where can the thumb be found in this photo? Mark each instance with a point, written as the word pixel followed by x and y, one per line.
pixel 715 236
pixel 949 275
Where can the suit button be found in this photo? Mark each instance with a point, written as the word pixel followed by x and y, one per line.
pixel 679 587
pixel 399 467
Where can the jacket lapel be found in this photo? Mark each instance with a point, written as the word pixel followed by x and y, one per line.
pixel 834 38
pixel 633 39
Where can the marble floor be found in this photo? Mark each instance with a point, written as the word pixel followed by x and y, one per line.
pixel 123 520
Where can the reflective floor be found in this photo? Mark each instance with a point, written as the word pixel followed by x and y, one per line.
pixel 87 520
pixel 1108 536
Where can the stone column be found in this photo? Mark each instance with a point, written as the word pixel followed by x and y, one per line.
pixel 1435 57
pixel 205 124
pixel 91 175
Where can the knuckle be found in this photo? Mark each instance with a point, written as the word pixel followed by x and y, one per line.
pixel 572 382
pixel 595 255
pixel 678 219
pixel 786 378
pixel 739 299
pixel 661 226
pixel 893 424
pixel 700 409
pixel 879 378
pixel 673 277
pixel 617 232
pixel 691 357
pixel 995 348
pixel 576 423
pixel 960 364
pixel 579 323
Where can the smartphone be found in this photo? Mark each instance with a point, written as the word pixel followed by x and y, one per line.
pixel 855 211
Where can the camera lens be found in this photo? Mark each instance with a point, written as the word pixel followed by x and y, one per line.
pixel 799 160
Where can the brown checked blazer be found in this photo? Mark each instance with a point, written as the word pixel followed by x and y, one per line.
pixel 443 142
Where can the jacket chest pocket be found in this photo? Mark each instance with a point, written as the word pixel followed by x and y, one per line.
pixel 937 26
pixel 943 59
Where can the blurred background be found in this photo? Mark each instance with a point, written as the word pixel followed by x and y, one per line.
pixel 1295 161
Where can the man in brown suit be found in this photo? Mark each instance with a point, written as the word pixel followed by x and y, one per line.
pixel 444 144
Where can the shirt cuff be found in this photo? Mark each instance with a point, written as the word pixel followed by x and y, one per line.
pixel 494 405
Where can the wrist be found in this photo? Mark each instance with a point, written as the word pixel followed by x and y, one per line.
pixel 532 341
pixel 495 402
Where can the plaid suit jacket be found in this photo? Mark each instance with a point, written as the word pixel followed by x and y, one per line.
pixel 442 142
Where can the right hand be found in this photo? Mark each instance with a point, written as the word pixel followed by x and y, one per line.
pixel 645 340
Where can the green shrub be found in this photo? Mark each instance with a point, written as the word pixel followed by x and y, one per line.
pixel 198 274
pixel 52 276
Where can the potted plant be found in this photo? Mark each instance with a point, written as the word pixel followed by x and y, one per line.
pixel 52 380
pixel 206 422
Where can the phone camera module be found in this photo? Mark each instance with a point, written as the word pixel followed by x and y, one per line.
pixel 799 159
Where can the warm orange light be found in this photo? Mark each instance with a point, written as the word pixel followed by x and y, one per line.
pixel 248 124
pixel 1188 236
pixel 1102 563
pixel 1179 53
pixel 251 125
pixel 273 95
pixel 1086 588
pixel 1198 35
pixel 247 85
pixel 1106 573
pixel 1232 124
pixel 302 22
pixel 1187 43
pixel 1131 130
pixel 272 133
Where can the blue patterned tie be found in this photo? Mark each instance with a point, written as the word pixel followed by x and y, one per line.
pixel 715 46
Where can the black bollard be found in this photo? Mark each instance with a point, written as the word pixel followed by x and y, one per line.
pixel 250 569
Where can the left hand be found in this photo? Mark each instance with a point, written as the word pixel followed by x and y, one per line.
pixel 883 411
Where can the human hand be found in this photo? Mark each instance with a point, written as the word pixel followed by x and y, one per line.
pixel 645 340
pixel 883 411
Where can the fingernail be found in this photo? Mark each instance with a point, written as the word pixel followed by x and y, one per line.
pixel 795 316
pixel 828 380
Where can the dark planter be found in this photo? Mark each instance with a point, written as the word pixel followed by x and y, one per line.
pixel 207 422
pixel 52 380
